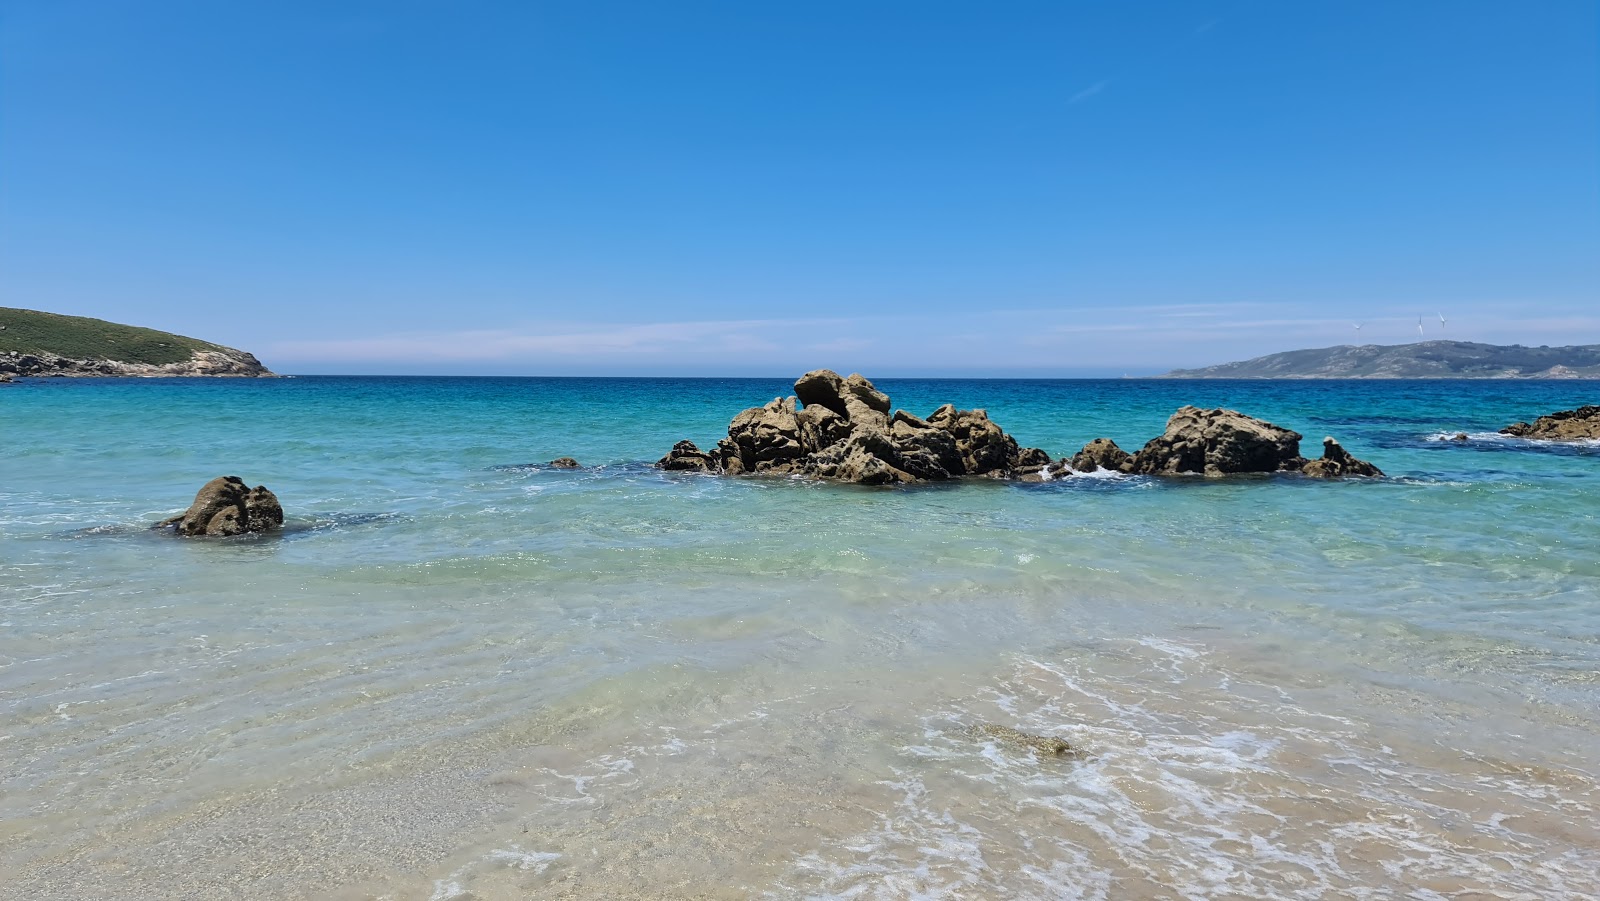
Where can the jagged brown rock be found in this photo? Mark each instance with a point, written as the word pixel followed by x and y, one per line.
pixel 226 506
pixel 565 463
pixel 1564 425
pixel 1336 462
pixel 685 457
pixel 845 429
pixel 1216 443
pixel 1102 453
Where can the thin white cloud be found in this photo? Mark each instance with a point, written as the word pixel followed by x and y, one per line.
pixel 1089 91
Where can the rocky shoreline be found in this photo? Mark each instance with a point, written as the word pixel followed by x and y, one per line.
pixel 204 363
pixel 841 429
pixel 1582 424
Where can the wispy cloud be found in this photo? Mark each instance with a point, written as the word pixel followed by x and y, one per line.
pixel 1089 91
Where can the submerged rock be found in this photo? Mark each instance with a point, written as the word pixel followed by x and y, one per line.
pixel 1041 745
pixel 226 506
pixel 1564 425
pixel 842 429
pixel 564 463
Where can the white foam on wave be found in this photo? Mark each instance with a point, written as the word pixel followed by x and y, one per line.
pixel 1509 440
pixel 457 885
pixel 1202 783
pixel 1102 474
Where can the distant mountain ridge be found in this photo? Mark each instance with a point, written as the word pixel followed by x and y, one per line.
pixel 1421 360
pixel 34 343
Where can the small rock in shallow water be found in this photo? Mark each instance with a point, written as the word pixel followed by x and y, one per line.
pixel 225 506
pixel 1336 462
pixel 1042 745
pixel 565 463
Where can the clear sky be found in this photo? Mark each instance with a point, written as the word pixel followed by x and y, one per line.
pixel 751 188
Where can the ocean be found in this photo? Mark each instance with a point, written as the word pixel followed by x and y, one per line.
pixel 457 673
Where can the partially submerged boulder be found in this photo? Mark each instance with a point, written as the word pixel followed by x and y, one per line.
pixel 1565 425
pixel 1216 443
pixel 1101 453
pixel 685 457
pixel 1040 745
pixel 564 463
pixel 226 506
pixel 842 429
pixel 1337 462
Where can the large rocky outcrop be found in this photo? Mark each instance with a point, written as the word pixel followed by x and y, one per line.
pixel 842 429
pixel 1565 425
pixel 1216 443
pixel 226 506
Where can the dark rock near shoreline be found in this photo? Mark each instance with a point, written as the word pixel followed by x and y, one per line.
pixel 1565 425
pixel 564 463
pixel 841 429
pixel 226 506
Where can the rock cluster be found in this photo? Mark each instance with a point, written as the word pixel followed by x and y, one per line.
pixel 564 463
pixel 1216 443
pixel 1565 425
pixel 842 429
pixel 236 363
pixel 225 506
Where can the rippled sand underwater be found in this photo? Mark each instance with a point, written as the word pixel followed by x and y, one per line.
pixel 460 676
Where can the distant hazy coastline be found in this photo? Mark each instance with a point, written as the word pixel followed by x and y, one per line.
pixel 1421 360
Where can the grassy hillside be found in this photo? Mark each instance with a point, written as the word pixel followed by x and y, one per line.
pixel 82 338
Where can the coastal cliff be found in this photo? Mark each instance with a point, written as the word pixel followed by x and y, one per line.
pixel 1418 360
pixel 38 344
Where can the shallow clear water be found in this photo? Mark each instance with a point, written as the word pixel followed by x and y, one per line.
pixel 459 674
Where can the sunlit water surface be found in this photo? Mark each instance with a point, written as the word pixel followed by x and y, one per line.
pixel 459 674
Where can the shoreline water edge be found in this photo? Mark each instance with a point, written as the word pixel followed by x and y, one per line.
pixel 440 671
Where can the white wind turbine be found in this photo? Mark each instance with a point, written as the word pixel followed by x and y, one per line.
pixel 1441 322
pixel 1419 327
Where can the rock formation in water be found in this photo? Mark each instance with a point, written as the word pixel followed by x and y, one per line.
pixel 1565 425
pixel 1216 443
pixel 564 463
pixel 225 506
pixel 1337 462
pixel 842 429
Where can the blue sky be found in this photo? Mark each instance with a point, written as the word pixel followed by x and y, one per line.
pixel 761 188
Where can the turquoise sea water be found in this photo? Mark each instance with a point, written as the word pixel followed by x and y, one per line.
pixel 458 673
